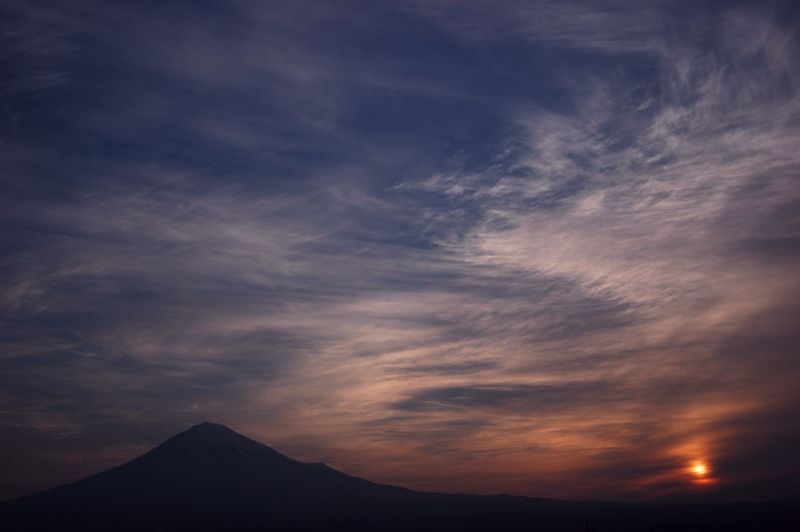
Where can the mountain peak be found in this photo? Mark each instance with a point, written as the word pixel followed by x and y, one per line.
pixel 208 443
pixel 208 427
pixel 207 431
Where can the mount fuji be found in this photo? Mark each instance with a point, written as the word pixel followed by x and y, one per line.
pixel 212 478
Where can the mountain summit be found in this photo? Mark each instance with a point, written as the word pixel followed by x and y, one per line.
pixel 213 443
pixel 212 478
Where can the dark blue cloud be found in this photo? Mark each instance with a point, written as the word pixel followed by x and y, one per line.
pixel 523 398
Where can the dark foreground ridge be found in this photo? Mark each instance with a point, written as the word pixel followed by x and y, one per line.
pixel 211 478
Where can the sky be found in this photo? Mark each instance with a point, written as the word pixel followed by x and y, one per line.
pixel 546 248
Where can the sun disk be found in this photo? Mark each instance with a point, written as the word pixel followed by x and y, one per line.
pixel 700 469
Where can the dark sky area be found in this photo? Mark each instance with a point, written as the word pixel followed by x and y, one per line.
pixel 546 248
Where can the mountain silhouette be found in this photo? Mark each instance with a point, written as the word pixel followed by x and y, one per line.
pixel 212 478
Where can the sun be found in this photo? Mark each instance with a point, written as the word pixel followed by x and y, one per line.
pixel 700 469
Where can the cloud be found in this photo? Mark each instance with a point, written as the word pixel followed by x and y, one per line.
pixel 609 27
pixel 521 398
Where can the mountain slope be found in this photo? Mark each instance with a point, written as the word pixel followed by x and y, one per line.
pixel 211 478
pixel 204 477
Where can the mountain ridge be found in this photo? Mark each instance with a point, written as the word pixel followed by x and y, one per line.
pixel 210 477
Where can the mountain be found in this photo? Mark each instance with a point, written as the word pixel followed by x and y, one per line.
pixel 212 478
